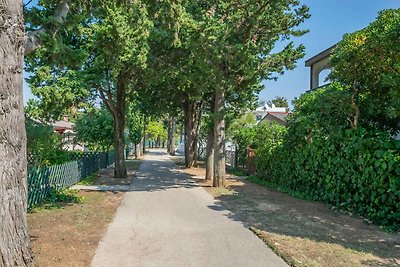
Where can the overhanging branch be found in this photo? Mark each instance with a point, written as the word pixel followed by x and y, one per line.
pixel 33 41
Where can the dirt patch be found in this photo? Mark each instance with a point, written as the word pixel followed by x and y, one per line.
pixel 68 236
pixel 304 233
pixel 106 176
pixel 199 170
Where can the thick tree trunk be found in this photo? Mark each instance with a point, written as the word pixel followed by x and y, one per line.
pixel 119 128
pixel 219 138
pixel 119 148
pixel 116 106
pixel 171 137
pixel 14 239
pixel 192 113
pixel 210 155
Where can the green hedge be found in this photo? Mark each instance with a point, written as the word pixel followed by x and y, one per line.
pixel 354 170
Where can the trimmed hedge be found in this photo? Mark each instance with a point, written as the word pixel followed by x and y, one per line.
pixel 354 170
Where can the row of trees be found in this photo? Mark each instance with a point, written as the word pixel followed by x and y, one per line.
pixel 163 56
pixel 193 57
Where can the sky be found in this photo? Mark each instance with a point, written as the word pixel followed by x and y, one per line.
pixel 330 20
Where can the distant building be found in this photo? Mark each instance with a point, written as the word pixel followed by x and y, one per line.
pixel 66 129
pixel 272 116
pixel 261 112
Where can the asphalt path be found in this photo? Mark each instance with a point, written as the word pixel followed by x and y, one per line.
pixel 166 219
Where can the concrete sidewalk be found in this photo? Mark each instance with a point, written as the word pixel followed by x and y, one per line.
pixel 168 220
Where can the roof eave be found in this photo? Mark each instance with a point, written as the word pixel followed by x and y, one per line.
pixel 324 54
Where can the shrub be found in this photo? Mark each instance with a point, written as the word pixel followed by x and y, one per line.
pixel 43 145
pixel 355 170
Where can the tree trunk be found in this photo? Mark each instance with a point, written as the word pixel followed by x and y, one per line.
pixel 219 138
pixel 144 133
pixel 236 157
pixel 158 142
pixel 116 106
pixel 119 148
pixel 14 239
pixel 171 137
pixel 192 113
pixel 136 151
pixel 140 149
pixel 210 155
pixel 119 128
pixel 354 121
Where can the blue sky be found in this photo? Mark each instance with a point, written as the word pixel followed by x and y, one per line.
pixel 329 21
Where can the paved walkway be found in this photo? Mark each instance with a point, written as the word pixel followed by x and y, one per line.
pixel 168 220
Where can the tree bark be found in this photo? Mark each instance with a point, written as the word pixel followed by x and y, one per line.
pixel 219 138
pixel 136 151
pixel 210 155
pixel 116 106
pixel 14 238
pixel 119 147
pixel 144 133
pixel 236 157
pixel 192 115
pixel 171 136
pixel 354 121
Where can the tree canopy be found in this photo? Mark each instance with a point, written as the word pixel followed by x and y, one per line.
pixel 95 129
pixel 367 63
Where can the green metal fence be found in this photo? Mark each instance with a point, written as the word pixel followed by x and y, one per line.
pixel 42 180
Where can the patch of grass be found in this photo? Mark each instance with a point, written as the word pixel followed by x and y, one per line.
pixel 303 252
pixel 290 261
pixel 58 199
pixel 89 180
pixel 237 171
pixel 221 191
pixel 133 164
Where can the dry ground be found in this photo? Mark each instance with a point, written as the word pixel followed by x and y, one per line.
pixel 69 235
pixel 105 176
pixel 304 233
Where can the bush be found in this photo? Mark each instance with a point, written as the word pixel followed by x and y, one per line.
pixel 355 170
pixel 43 145
pixel 337 148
